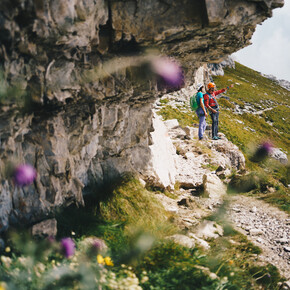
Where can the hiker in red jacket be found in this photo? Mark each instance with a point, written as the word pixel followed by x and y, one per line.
pixel 212 105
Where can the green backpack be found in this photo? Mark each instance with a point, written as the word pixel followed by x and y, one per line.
pixel 193 103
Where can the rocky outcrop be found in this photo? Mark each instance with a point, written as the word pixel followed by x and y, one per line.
pixel 283 83
pixel 161 167
pixel 217 69
pixel 79 64
pixel 279 155
pixel 90 144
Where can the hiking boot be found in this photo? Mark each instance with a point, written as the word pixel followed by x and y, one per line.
pixel 215 138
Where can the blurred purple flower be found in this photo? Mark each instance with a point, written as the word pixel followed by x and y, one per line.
pixel 263 151
pixel 97 246
pixel 67 247
pixel 169 72
pixel 24 174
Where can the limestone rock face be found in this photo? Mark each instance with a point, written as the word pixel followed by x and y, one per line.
pixel 161 168
pixel 70 149
pixel 93 116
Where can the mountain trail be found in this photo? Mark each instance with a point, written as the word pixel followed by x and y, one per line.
pixel 264 225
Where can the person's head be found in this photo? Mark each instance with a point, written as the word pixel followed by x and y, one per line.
pixel 210 87
pixel 199 87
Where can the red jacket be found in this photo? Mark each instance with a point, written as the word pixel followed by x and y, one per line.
pixel 212 102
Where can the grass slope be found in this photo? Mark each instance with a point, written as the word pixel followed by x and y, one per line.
pixel 248 130
pixel 261 93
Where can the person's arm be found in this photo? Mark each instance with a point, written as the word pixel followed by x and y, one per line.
pixel 219 92
pixel 223 90
pixel 202 106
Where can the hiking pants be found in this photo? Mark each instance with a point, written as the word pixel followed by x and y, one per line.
pixel 202 126
pixel 202 123
pixel 215 124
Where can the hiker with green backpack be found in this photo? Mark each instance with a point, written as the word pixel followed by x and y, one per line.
pixel 197 105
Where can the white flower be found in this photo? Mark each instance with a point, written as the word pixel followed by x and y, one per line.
pixel 224 280
pixel 213 276
pixel 38 269
pixel 23 261
pixel 6 261
pixel 144 279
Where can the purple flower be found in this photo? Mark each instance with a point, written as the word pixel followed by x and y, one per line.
pixel 169 72
pixel 24 175
pixel 97 245
pixel 67 247
pixel 267 147
pixel 262 152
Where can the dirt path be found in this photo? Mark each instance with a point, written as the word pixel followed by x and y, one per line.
pixel 266 226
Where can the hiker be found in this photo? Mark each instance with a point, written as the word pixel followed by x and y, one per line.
pixel 201 111
pixel 213 107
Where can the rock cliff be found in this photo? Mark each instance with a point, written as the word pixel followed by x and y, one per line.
pixel 92 111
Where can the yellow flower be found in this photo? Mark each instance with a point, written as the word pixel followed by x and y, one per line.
pixel 108 261
pixel 100 259
pixel 3 286
pixel 7 249
pixel 231 262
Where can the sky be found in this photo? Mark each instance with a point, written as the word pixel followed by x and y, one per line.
pixel 270 49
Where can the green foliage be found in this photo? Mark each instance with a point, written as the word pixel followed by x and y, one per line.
pixel 253 88
pixel 158 264
pixel 258 181
pixel 138 207
pixel 34 267
pixel 164 101
pixel 226 103
pixel 281 198
pixel 184 118
pixel 267 276
pixel 169 265
pixel 235 258
pixel 247 131
pixel 119 216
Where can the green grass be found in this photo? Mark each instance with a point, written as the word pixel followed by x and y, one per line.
pixel 138 208
pixel 118 216
pixel 232 258
pixel 254 129
pixel 184 118
pixel 264 90
pixel 281 198
pixel 252 87
pixel 169 266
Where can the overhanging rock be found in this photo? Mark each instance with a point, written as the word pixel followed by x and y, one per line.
pixel 94 104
